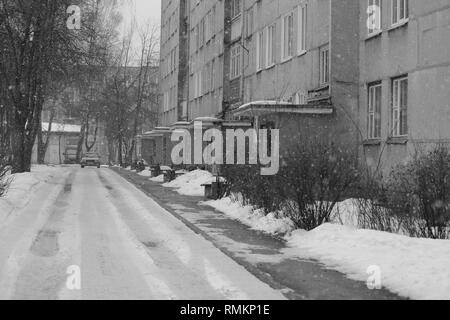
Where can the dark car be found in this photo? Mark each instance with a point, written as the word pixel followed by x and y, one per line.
pixel 90 159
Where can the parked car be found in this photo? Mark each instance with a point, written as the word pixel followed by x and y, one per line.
pixel 90 159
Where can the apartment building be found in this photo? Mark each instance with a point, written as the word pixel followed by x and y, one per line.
pixel 370 75
pixel 404 78
pixel 173 61
pixel 286 64
pixel 154 146
pixel 300 69
pixel 206 58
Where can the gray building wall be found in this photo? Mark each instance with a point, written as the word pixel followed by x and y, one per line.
pixel 171 19
pixel 330 23
pixel 418 49
pixel 206 59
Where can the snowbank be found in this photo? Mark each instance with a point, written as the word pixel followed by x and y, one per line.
pixel 415 268
pixel 145 173
pixel 410 267
pixel 190 184
pixel 21 187
pixel 255 219
pixel 159 179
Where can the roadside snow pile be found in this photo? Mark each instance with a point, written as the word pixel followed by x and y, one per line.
pixel 145 173
pixel 190 184
pixel 255 219
pixel 159 179
pixel 20 189
pixel 415 268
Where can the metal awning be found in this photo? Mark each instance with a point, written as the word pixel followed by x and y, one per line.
pixel 258 108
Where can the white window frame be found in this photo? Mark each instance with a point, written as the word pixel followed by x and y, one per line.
pixel 374 111
pixel 200 83
pixel 374 17
pixel 260 52
pixel 399 108
pixel 324 66
pixel 250 21
pixel 396 14
pixel 202 31
pixel 213 74
pixel 302 29
pixel 235 61
pixel 166 101
pixel 289 37
pixel 207 27
pixel 271 32
pixel 300 98
pixel 236 8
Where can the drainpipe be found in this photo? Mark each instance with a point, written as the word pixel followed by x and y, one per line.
pixel 243 22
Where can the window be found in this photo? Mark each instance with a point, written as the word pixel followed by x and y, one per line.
pixel 374 16
pixel 235 8
pixel 300 98
pixel 324 67
pixel 270 48
pixel 250 21
pixel 213 17
pixel 235 61
pixel 302 28
pixel 399 107
pixel 260 53
pixel 197 37
pixel 400 11
pixel 287 33
pixel 205 80
pixel 166 101
pixel 374 112
pixel 202 32
pixel 213 74
pixel 208 27
pixel 197 84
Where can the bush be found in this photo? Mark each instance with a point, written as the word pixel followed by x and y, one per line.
pixel 419 194
pixel 253 189
pixel 314 179
pixel 372 208
pixel 4 181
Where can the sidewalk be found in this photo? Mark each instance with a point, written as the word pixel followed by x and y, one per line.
pixel 258 252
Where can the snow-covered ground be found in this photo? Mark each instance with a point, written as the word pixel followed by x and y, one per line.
pixel 159 179
pixel 190 184
pixel 21 189
pixel 415 268
pixel 145 173
pixel 255 219
pixel 124 244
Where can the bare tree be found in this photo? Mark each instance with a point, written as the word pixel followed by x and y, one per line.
pixel 148 53
pixel 35 43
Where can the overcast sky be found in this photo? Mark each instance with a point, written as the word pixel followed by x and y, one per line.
pixel 144 10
